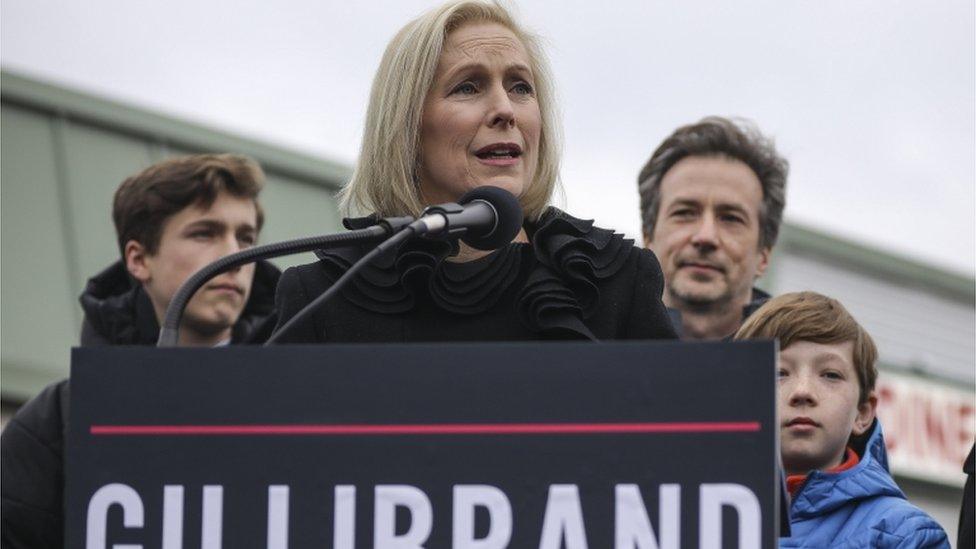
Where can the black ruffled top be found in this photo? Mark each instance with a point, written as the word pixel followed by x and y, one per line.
pixel 567 283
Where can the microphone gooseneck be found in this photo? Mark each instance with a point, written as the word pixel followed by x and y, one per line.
pixel 169 331
pixel 307 311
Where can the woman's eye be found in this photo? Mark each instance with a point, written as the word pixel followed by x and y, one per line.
pixel 465 88
pixel 781 373
pixel 832 375
pixel 523 88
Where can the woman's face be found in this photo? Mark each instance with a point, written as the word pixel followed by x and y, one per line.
pixel 481 120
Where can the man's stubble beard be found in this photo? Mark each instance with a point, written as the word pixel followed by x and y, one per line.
pixel 702 304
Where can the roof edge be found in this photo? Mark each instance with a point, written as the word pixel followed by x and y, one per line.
pixel 61 100
pixel 877 261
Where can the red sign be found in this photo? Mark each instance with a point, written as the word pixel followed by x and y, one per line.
pixel 929 426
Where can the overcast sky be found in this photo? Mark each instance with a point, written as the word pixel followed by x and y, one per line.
pixel 873 102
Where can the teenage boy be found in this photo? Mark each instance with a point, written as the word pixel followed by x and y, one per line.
pixel 831 443
pixel 171 219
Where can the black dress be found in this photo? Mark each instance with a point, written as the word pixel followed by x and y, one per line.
pixel 574 281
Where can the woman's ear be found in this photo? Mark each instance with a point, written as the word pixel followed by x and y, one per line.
pixel 866 413
pixel 137 261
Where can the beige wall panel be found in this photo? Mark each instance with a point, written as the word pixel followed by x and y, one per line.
pixel 38 326
pixel 294 209
pixel 99 161
pixel 162 152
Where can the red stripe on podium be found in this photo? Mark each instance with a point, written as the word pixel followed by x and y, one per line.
pixel 430 429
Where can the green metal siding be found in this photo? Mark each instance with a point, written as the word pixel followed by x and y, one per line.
pixel 96 161
pixel 296 208
pixel 37 321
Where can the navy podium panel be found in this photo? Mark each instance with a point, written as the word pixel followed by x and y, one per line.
pixel 424 445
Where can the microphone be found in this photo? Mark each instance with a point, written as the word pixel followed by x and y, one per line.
pixel 485 218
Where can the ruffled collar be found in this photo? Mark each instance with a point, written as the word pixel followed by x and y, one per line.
pixel 561 270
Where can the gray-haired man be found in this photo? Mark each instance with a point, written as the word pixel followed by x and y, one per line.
pixel 712 199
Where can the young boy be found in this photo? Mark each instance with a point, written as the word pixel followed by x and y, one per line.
pixel 832 447
pixel 171 219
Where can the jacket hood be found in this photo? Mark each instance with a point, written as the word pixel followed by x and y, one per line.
pixel 825 492
pixel 118 311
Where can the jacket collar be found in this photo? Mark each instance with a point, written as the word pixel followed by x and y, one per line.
pixel 825 492
pixel 119 311
pixel 759 298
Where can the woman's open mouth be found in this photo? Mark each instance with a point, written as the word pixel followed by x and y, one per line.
pixel 499 154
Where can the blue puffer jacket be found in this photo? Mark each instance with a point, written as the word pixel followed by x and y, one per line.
pixel 860 507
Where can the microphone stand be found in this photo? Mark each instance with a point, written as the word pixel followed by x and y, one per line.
pixel 169 331
pixel 449 220
pixel 316 304
pixel 433 220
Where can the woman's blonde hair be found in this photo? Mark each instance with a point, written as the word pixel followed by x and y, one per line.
pixel 385 180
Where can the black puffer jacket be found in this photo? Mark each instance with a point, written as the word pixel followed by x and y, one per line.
pixel 117 312
pixel 965 538
pixel 32 472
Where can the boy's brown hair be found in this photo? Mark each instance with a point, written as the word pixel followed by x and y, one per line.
pixel 146 200
pixel 809 316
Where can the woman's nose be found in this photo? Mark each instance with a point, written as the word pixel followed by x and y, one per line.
pixel 501 113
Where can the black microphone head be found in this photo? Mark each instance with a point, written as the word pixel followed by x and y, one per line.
pixel 509 221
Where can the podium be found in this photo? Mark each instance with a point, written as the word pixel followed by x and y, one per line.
pixel 597 445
